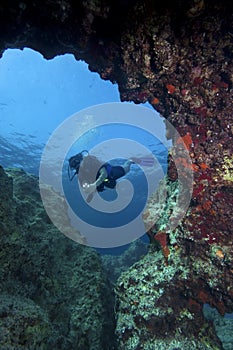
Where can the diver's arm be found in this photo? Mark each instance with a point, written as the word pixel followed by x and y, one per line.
pixel 103 175
pixel 90 188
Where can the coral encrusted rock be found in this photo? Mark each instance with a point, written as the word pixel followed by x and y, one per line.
pixel 53 293
pixel 178 56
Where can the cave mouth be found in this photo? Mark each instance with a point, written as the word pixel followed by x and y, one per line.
pixel 37 95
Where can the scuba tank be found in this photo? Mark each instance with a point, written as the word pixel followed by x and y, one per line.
pixel 75 162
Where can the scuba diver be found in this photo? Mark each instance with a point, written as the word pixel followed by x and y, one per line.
pixel 85 165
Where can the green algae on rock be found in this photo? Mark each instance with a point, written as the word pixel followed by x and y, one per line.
pixel 23 324
pixel 154 309
pixel 51 287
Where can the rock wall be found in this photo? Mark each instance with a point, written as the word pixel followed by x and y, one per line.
pixel 53 293
pixel 178 56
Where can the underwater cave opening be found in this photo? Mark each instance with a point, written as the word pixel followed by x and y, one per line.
pixel 37 95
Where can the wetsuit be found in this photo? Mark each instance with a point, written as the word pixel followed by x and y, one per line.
pixel 113 173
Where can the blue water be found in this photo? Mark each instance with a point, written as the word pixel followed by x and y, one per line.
pixel 136 176
pixel 36 96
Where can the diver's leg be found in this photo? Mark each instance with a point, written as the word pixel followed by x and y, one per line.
pixel 126 166
pixel 119 171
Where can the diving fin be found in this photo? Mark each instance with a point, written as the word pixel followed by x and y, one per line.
pixel 144 161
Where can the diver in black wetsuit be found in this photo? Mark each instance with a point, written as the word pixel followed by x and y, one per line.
pixel 106 175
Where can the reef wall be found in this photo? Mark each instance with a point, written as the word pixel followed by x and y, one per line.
pixel 178 56
pixel 53 293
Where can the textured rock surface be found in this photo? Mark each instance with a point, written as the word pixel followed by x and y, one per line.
pixel 178 56
pixel 114 265
pixel 53 293
pixel 154 312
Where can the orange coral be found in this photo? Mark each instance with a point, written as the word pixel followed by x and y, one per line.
pixel 195 167
pixel 166 252
pixel 170 88
pixel 184 162
pixel 155 101
pixel 207 205
pixel 219 254
pixel 187 140
pixel 203 166
pixel 161 237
